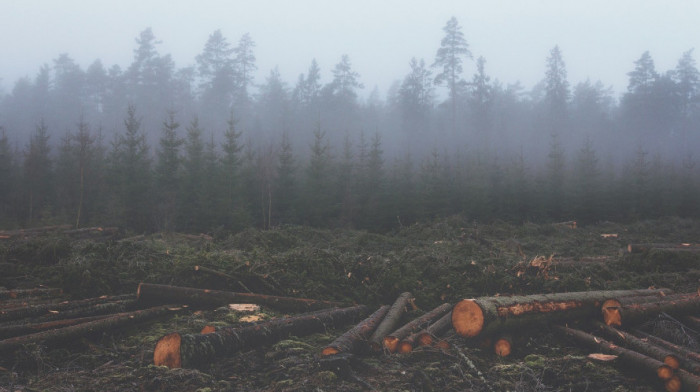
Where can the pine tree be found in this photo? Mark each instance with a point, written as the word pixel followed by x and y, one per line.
pixel 38 176
pixel 168 173
pixel 8 178
pixel 318 192
pixel 480 103
pixel 286 190
pixel 232 188
pixel 191 205
pixel 452 52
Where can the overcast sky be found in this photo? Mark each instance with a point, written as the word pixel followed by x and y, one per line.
pixel 599 39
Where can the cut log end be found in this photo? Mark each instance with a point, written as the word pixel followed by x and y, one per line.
pixel 405 347
pixel 329 351
pixel 467 318
pixel 167 351
pixel 442 344
pixel 424 339
pixel 673 384
pixel 611 313
pixel 664 372
pixel 391 344
pixel 208 329
pixel 672 361
pixel 502 347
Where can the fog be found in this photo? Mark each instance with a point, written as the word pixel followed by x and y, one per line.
pixel 538 95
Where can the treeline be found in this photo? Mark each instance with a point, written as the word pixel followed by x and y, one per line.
pixel 157 147
pixel 193 184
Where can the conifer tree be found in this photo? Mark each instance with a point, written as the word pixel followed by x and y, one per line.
pixel 168 173
pixel 453 50
pixel 38 176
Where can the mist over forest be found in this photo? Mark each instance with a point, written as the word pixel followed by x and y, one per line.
pixel 207 147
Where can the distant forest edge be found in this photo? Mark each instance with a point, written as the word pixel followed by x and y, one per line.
pixel 205 148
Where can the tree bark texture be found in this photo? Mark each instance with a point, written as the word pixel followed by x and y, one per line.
pixel 390 321
pixel 391 341
pixel 10 331
pixel 158 293
pixel 634 343
pixel 471 317
pixel 55 310
pixel 351 340
pixel 628 311
pixel 177 350
pixel 680 350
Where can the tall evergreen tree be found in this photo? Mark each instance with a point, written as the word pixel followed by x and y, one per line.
pixel 168 173
pixel 480 102
pixel 38 176
pixel 192 193
pixel 244 61
pixel 556 91
pixel 217 78
pixel 286 189
pixel 416 96
pixel 233 207
pixel 453 50
pixel 8 185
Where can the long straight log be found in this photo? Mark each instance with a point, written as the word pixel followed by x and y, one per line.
pixel 634 343
pixel 76 331
pixel 158 293
pixel 611 308
pixel 632 358
pixel 10 331
pixel 351 340
pixel 641 248
pixel 391 341
pixel 630 312
pixel 391 320
pixel 680 350
pixel 177 350
pixel 689 382
pixel 70 307
pixel 30 293
pixel 425 337
pixel 471 317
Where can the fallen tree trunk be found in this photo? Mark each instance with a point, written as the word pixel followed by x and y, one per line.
pixel 632 358
pixel 177 350
pixel 470 317
pixel 351 340
pixel 680 350
pixel 10 331
pixel 10 234
pixel 426 337
pixel 634 343
pixel 627 311
pixel 391 341
pixel 76 331
pixel 30 293
pixel 158 293
pixel 683 381
pixel 641 248
pixel 390 321
pixel 73 308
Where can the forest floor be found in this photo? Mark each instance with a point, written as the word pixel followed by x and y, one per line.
pixel 442 261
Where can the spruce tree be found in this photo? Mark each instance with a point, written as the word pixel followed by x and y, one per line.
pixel 168 173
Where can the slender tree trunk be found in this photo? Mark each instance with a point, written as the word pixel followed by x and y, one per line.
pixel 351 340
pixel 627 311
pixel 391 341
pixel 634 343
pixel 389 322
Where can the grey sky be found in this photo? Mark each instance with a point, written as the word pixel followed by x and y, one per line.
pixel 600 39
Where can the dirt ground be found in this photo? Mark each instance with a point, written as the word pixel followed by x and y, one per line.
pixel 441 261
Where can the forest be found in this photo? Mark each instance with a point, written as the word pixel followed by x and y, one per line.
pixel 207 148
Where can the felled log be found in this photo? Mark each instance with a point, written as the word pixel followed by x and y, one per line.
pixel 75 308
pixel 632 358
pixel 641 248
pixel 30 293
pixel 9 331
pixel 634 343
pixel 159 293
pixel 680 350
pixel 211 271
pixel 391 341
pixel 10 234
pixel 351 340
pixel 54 336
pixel 683 381
pixel 470 317
pixel 426 337
pixel 390 321
pixel 177 350
pixel 627 311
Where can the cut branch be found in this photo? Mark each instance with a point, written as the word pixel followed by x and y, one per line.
pixel 158 293
pixel 634 359
pixel 470 317
pixel 390 321
pixel 391 341
pixel 177 350
pixel 351 340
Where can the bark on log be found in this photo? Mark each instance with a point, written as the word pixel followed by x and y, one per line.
pixel 680 350
pixel 641 248
pixel 177 350
pixel 10 331
pixel 427 336
pixel 158 293
pixel 634 343
pixel 72 308
pixel 390 321
pixel 30 293
pixel 470 317
pixel 689 382
pixel 351 340
pixel 391 341
pixel 76 331
pixel 629 311
pixel 632 358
